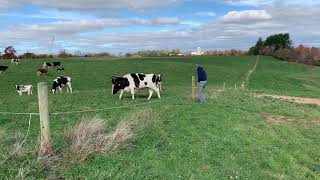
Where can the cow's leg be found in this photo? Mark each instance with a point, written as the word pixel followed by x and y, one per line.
pixel 69 87
pixel 20 93
pixel 132 92
pixel 150 93
pixel 60 89
pixel 121 92
pixel 156 89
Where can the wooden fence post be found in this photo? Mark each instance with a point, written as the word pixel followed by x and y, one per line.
pixel 45 144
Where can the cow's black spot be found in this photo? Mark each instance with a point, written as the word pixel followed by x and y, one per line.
pixel 119 83
pixel 145 83
pixel 154 78
pixel 136 80
pixel 141 77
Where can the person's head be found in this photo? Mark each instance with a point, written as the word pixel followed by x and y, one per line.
pixel 198 66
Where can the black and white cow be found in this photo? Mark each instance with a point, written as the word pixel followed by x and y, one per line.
pixel 56 64
pixel 3 69
pixel 15 61
pixel 61 82
pixel 132 82
pixel 24 88
pixel 47 65
pixel 51 65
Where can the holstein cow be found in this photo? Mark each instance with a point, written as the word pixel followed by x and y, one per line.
pixel 24 88
pixel 56 64
pixel 15 61
pixel 51 65
pixel 131 82
pixel 61 82
pixel 47 65
pixel 3 69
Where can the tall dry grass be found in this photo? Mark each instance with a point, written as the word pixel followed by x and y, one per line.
pixel 90 136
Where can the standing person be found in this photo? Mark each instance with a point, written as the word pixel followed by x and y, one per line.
pixel 202 81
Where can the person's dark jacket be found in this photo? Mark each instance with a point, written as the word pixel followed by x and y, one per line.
pixel 202 76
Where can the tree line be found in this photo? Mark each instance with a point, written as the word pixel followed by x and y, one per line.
pixel 10 53
pixel 280 46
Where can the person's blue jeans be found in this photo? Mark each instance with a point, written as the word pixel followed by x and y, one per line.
pixel 202 93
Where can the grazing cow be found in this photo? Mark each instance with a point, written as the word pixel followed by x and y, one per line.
pixel 131 82
pixel 47 65
pixel 56 64
pixel 15 61
pixel 3 69
pixel 51 65
pixel 24 88
pixel 61 82
pixel 42 71
pixel 60 69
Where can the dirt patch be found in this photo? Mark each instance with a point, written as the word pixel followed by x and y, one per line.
pixel 298 100
pixel 277 119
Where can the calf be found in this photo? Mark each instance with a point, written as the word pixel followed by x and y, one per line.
pixel 61 82
pixel 15 61
pixel 42 71
pixel 131 82
pixel 24 88
pixel 3 69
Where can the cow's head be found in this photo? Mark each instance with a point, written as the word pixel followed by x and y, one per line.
pixel 119 83
pixel 17 87
pixel 159 78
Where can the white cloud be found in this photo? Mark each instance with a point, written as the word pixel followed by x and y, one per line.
pixel 205 13
pixel 78 26
pixel 247 16
pixel 101 4
pixel 258 3
pixel 236 29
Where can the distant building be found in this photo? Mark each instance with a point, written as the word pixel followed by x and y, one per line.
pixel 199 52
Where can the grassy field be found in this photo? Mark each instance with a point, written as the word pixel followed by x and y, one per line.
pixel 233 136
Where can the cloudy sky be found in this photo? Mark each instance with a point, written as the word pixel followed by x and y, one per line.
pixel 126 25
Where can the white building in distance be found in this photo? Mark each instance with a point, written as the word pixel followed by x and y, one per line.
pixel 199 52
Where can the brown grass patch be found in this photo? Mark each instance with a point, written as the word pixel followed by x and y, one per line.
pixel 298 100
pixel 277 119
pixel 90 136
